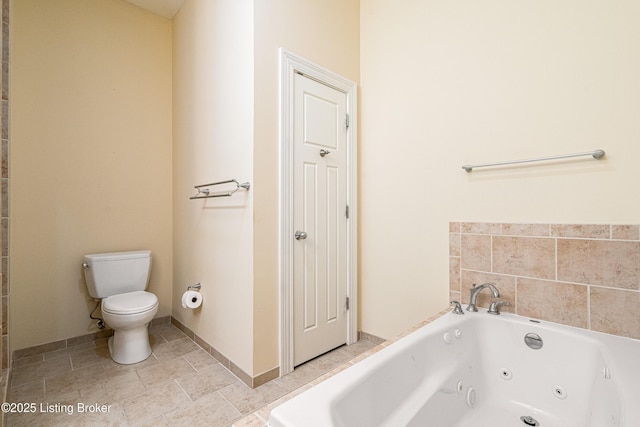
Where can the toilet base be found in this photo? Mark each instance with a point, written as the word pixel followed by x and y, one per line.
pixel 130 346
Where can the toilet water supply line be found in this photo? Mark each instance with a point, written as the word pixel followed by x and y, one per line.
pixel 99 322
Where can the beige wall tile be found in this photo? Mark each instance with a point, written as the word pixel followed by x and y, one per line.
pixel 454 273
pixel 475 252
pixel 481 228
pixel 625 232
pixel 599 262
pixel 524 256
pixel 455 296
pixel 454 227
pixel 559 302
pixel 454 244
pixel 615 311
pixel 603 255
pixel 590 231
pixel 541 230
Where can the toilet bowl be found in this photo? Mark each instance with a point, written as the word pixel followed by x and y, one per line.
pixel 119 280
pixel 129 315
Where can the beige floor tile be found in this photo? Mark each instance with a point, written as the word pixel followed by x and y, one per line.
pixel 112 415
pixel 187 386
pixel 88 357
pixel 359 347
pixel 47 368
pixel 67 382
pixel 155 422
pixel 164 371
pixel 211 410
pixel 247 400
pixel 265 411
pixel 110 368
pixel 200 359
pixel 154 402
pixel 155 339
pixel 38 420
pixel 341 355
pixel 113 389
pixel 302 375
pixel 250 420
pixel 168 332
pixel 28 360
pixel 58 412
pixel 176 348
pixel 28 392
pixel 66 351
pixel 206 381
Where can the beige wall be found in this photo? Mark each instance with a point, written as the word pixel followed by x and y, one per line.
pixel 226 126
pixel 91 156
pixel 449 83
pixel 442 84
pixel 213 141
pixel 327 33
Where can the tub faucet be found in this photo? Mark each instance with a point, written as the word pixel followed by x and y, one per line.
pixel 475 290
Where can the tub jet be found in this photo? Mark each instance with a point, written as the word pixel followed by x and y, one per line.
pixel 529 420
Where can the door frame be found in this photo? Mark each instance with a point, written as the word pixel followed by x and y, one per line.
pixel 290 64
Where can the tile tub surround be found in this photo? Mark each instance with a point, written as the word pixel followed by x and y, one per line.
pixel 584 275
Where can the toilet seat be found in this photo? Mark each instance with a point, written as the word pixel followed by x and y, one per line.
pixel 130 303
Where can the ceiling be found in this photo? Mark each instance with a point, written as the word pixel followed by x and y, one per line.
pixel 166 8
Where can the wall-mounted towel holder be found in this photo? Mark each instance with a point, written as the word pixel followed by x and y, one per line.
pixel 205 193
pixel 596 154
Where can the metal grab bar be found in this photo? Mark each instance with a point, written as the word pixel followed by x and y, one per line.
pixel 596 154
pixel 204 193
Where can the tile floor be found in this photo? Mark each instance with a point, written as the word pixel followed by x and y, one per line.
pixel 179 385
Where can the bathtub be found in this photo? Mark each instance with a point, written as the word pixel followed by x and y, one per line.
pixel 477 370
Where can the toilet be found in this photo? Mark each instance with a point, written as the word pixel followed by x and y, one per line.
pixel 119 280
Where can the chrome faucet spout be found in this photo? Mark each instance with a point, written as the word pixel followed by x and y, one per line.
pixel 475 290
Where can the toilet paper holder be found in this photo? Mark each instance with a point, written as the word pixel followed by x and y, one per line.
pixel 197 287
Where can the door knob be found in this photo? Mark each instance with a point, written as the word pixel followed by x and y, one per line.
pixel 324 152
pixel 300 235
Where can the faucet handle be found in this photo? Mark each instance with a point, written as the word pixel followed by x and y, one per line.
pixel 457 309
pixel 494 308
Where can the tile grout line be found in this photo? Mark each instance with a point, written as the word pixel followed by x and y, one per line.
pixel 240 414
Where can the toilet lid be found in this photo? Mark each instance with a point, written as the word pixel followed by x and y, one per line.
pixel 130 303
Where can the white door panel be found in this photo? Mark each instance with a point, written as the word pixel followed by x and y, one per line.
pixel 319 210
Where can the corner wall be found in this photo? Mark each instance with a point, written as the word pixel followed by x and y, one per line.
pixel 451 83
pixel 90 164
pixel 213 141
pixel 226 79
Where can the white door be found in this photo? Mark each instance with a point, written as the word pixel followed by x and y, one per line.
pixel 320 216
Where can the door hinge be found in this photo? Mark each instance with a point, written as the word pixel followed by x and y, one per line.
pixel 347 304
pixel 347 212
pixel 346 121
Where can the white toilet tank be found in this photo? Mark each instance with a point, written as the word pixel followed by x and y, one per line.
pixel 116 272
